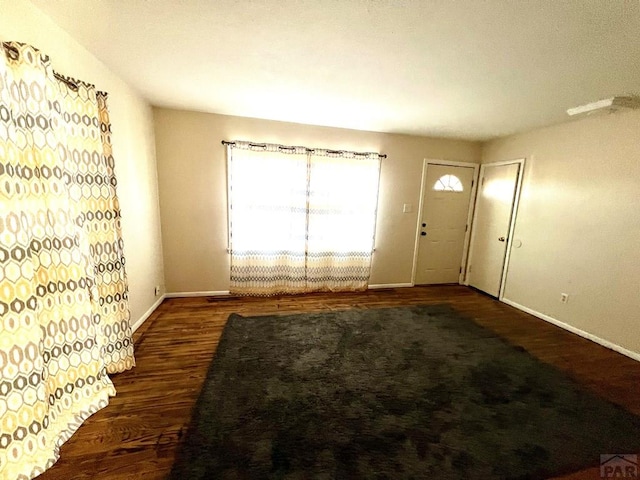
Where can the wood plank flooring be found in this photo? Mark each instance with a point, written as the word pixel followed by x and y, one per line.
pixel 137 435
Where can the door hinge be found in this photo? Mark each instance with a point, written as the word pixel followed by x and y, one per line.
pixel 482 183
pixel 466 227
pixel 460 271
pixel 472 182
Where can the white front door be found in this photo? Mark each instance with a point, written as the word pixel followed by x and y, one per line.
pixel 491 226
pixel 445 210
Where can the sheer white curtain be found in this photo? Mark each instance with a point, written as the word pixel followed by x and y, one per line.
pixel 267 211
pixel 343 195
pixel 300 220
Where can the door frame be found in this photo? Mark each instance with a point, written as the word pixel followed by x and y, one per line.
pixel 472 202
pixel 512 221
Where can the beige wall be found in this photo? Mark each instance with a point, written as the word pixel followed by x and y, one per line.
pixel 192 181
pixel 133 144
pixel 579 223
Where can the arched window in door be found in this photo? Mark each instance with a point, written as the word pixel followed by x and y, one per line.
pixel 448 183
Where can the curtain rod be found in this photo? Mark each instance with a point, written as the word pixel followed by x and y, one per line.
pixel 309 150
pixel 70 83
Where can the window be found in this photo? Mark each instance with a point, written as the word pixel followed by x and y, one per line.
pixel 448 183
pixel 300 219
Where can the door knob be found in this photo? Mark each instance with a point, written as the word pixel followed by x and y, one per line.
pixel 424 234
pixel 501 239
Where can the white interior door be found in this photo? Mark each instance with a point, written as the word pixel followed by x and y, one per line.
pixel 443 224
pixel 491 226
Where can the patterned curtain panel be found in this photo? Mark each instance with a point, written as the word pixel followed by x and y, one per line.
pixel 85 152
pixel 63 295
pixel 301 220
pixel 268 212
pixel 343 197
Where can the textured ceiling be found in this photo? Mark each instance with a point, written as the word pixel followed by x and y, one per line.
pixel 467 69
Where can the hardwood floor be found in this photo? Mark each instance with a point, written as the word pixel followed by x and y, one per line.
pixel 137 435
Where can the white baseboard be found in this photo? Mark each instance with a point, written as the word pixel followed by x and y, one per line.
pixel 390 285
pixel 577 331
pixel 147 314
pixel 219 293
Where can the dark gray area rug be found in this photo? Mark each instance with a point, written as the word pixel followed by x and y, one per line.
pixel 393 393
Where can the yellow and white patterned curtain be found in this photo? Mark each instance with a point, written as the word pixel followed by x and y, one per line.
pixel 301 220
pixel 63 291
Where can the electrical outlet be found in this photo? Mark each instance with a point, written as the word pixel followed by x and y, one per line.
pixel 564 297
pixel 157 290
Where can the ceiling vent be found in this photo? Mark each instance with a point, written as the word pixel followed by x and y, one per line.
pixel 610 105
